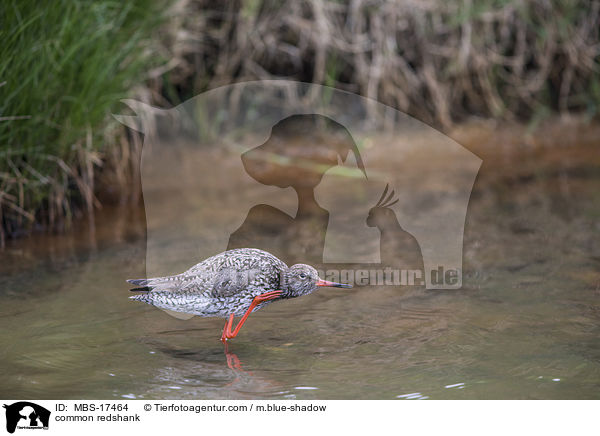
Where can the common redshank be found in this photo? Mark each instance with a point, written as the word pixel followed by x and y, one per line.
pixel 233 283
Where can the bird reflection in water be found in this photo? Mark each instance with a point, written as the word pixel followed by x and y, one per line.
pixel 233 361
pixel 209 372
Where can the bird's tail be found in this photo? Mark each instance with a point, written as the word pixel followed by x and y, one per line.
pixel 156 283
pixel 141 289
pixel 139 282
pixel 143 285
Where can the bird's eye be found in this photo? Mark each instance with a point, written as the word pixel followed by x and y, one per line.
pixel 302 275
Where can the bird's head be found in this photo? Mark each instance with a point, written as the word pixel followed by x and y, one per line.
pixel 301 279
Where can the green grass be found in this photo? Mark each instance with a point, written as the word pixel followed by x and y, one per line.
pixel 63 68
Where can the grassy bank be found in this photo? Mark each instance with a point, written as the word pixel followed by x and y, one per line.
pixel 63 70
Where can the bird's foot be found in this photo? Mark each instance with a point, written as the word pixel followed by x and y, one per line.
pixel 227 334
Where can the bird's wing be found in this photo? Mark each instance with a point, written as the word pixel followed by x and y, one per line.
pixel 159 283
pixel 230 281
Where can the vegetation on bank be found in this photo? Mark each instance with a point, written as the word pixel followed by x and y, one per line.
pixel 440 61
pixel 64 68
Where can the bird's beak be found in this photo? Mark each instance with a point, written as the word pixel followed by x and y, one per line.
pixel 332 284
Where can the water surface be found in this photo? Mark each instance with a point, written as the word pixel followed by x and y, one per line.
pixel 525 325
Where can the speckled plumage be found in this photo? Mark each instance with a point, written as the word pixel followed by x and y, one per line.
pixel 221 285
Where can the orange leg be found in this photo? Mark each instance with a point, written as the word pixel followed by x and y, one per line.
pixel 228 333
